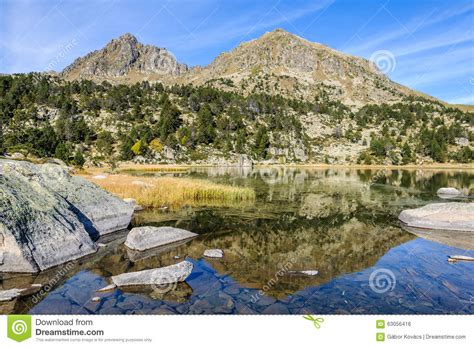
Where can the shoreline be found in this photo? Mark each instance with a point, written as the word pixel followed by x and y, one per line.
pixel 134 166
pixel 437 166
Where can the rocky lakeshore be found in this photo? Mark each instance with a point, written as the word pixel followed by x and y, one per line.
pixel 48 217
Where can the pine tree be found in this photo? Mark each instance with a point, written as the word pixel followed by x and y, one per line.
pixel 407 155
pixel 79 159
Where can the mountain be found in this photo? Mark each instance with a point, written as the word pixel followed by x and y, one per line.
pixel 125 60
pixel 277 63
pixel 276 99
pixel 282 63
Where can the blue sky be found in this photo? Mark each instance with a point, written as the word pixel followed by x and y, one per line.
pixel 432 42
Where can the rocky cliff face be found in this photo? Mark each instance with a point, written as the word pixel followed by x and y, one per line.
pixel 48 217
pixel 125 59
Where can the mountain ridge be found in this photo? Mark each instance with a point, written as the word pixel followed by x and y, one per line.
pixel 278 63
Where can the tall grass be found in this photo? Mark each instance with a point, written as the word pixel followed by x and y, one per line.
pixel 174 192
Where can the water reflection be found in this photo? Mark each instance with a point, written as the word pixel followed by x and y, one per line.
pixel 340 222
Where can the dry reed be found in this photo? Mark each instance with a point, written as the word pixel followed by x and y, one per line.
pixel 174 192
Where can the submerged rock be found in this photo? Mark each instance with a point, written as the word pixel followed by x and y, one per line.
pixel 48 217
pixel 143 238
pixel 457 216
pixel 163 275
pixel 214 253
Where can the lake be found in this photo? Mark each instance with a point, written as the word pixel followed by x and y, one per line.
pixel 340 222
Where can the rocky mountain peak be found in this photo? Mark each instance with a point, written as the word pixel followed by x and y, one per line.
pixel 125 59
pixel 127 37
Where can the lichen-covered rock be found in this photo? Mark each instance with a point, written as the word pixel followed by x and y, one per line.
pixel 143 238
pixel 106 212
pixel 457 216
pixel 48 217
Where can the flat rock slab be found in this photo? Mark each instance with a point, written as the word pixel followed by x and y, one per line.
pixel 10 294
pixel 305 272
pixel 163 275
pixel 457 216
pixel 214 253
pixel 144 238
pixel 460 258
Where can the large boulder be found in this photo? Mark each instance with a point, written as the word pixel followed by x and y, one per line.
pixel 457 216
pixel 106 212
pixel 143 238
pixel 48 217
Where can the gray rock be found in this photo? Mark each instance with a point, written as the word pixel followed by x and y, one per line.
pixel 48 217
pixel 460 258
pixel 164 275
pixel 106 212
pixel 143 238
pixel 214 253
pixel 457 216
pixel 448 192
pixel 107 288
pixel 305 272
pixel 10 294
pixel 461 141
pixel 100 177
pixel 133 203
pixel 244 161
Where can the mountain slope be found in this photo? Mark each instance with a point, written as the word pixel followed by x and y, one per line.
pixel 282 63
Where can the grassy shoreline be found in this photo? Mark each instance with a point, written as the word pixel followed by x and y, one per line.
pixel 172 192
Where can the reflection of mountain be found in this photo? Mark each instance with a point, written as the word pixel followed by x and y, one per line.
pixel 254 258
